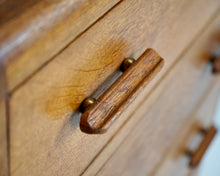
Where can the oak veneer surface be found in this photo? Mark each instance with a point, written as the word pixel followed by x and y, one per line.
pixel 33 31
pixel 3 140
pixel 45 138
pixel 152 128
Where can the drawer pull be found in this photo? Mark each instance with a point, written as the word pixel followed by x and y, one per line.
pixel 196 156
pixel 216 65
pixel 100 114
pixel 215 60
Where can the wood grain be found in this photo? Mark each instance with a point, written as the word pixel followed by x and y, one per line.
pixel 149 133
pixel 3 140
pixel 99 117
pixel 198 154
pixel 47 129
pixel 32 31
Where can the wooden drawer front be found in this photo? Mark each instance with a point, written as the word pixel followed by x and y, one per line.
pixel 175 162
pixel 45 138
pixel 156 124
pixel 32 32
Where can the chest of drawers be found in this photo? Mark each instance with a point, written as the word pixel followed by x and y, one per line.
pixel 54 54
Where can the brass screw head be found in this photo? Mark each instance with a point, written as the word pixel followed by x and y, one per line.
pixel 203 131
pixel 127 63
pixel 87 103
pixel 189 153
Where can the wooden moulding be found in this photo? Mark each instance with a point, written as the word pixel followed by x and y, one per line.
pixel 197 156
pixel 3 140
pixel 108 107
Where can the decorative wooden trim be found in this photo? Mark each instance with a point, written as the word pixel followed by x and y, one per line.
pixel 108 107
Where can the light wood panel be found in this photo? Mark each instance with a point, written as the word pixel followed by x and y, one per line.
pixel 44 126
pixel 3 140
pixel 153 127
pixel 33 31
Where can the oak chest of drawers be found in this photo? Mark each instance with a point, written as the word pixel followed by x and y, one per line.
pixel 55 54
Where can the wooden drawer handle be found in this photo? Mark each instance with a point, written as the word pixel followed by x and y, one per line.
pixel 215 60
pixel 196 156
pixel 216 65
pixel 101 113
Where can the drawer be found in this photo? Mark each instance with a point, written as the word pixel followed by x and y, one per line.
pixel 45 138
pixel 142 144
pixel 32 32
pixel 176 162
